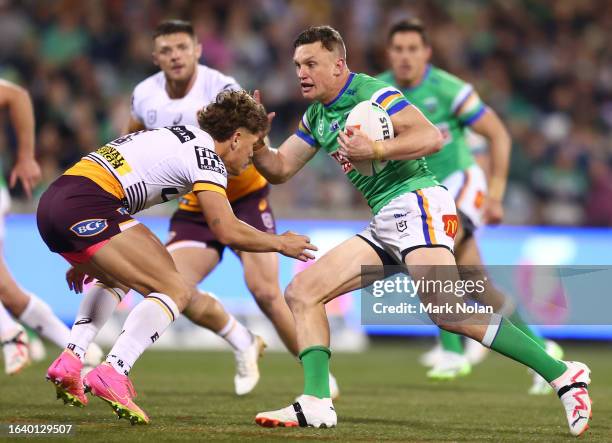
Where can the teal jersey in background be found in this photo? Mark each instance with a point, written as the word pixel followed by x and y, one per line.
pixel 452 105
pixel 321 124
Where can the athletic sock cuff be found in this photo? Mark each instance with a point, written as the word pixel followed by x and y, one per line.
pixel 165 302
pixel 29 307
pixel 492 330
pixel 315 348
pixel 228 326
pixel 116 292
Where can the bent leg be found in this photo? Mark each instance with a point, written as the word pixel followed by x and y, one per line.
pixel 148 269
pixel 334 274
pixel 492 330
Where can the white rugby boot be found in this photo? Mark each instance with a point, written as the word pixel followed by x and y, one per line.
pixel 307 411
pixel 572 389
pixel 16 351
pixel 449 367
pixel 247 368
pixel 430 358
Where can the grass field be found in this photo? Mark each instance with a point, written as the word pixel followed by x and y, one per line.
pixel 385 397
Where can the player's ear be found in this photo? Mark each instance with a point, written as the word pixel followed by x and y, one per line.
pixel 154 58
pixel 428 52
pixel 235 139
pixel 339 66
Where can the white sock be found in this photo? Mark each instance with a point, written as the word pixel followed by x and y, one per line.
pixel 145 324
pixel 39 317
pixel 492 330
pixel 96 308
pixel 8 325
pixel 236 334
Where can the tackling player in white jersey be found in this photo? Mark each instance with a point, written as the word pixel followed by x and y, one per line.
pixel 172 97
pixel 85 216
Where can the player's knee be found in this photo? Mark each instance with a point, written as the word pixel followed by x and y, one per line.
pixel 300 294
pixel 455 328
pixel 266 294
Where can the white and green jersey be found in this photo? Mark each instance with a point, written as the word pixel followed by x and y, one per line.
pixel 452 105
pixel 321 124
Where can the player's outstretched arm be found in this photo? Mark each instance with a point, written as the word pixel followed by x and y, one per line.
pixel 21 115
pixel 500 144
pixel 279 165
pixel 239 235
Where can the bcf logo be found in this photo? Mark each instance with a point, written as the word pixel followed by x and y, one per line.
pixel 90 227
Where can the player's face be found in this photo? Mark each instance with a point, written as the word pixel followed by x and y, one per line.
pixel 408 56
pixel 241 151
pixel 177 55
pixel 318 70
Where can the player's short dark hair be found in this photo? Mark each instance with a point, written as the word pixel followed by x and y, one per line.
pixel 409 25
pixel 328 36
pixel 232 110
pixel 173 27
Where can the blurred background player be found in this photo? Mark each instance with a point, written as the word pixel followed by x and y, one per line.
pixel 85 216
pixel 454 106
pixel 172 97
pixel 24 306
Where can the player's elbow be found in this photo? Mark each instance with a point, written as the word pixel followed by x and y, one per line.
pixel 224 235
pixel 222 231
pixel 278 179
pixel 435 140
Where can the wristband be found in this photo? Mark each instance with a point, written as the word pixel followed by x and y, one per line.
pixel 379 151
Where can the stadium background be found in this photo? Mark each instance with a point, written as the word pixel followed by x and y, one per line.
pixel 544 66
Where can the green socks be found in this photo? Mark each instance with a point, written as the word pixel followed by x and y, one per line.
pixel 315 360
pixel 517 321
pixel 451 342
pixel 505 338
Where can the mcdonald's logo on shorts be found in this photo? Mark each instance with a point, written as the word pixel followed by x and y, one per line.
pixel 451 224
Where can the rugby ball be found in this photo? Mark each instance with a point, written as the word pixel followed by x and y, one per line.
pixel 372 119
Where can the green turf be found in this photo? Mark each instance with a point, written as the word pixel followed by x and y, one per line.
pixel 385 397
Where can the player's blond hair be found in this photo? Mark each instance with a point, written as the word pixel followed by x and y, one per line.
pixel 232 110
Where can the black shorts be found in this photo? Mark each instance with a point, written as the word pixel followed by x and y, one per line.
pixel 189 226
pixel 75 214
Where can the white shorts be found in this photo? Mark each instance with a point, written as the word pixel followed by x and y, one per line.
pixel 5 205
pixel 469 189
pixel 422 218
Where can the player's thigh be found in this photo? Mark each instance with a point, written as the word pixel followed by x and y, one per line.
pixel 194 263
pixel 337 272
pixel 90 269
pixel 468 254
pixel 137 259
